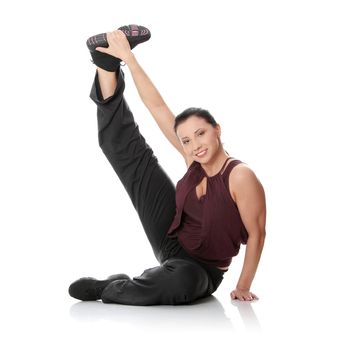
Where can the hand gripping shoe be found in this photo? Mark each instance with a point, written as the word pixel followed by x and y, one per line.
pixel 135 34
pixel 89 288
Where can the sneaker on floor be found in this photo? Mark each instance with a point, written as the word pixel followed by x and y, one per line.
pixel 89 288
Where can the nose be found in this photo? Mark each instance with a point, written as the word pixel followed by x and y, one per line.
pixel 196 149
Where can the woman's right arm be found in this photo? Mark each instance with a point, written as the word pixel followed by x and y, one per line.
pixel 154 102
pixel 119 47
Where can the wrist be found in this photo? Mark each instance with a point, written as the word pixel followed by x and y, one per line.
pixel 129 59
pixel 243 287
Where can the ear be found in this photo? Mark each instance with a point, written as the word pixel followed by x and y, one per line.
pixel 218 129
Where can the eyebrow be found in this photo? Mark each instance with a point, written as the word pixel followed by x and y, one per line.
pixel 187 136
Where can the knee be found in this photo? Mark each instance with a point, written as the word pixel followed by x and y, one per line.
pixel 191 280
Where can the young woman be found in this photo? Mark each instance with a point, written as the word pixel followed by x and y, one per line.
pixel 194 229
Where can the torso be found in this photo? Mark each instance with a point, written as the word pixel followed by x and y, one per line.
pixel 222 268
pixel 201 190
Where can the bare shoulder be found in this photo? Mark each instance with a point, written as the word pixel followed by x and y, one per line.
pixel 243 179
pixel 239 171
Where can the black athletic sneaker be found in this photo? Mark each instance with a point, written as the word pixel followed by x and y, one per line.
pixel 135 34
pixel 89 288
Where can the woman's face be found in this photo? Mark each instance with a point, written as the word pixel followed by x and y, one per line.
pixel 196 135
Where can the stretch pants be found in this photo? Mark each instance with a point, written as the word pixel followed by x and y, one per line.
pixel 179 279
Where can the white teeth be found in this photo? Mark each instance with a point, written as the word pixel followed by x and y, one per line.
pixel 198 154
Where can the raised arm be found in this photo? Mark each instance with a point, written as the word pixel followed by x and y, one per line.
pixel 119 47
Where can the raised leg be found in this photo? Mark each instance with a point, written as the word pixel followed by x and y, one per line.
pixel 149 187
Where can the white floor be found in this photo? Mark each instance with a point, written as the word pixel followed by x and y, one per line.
pixel 304 303
pixel 43 316
pixel 276 76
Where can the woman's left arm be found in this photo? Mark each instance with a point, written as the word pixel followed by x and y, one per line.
pixel 249 195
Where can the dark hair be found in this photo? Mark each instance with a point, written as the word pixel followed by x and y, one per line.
pixel 193 111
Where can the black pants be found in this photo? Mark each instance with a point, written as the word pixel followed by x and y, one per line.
pixel 179 279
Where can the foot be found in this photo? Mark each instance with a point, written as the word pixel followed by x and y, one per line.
pixel 135 35
pixel 89 288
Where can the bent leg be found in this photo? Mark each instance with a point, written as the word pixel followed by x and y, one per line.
pixel 149 187
pixel 176 281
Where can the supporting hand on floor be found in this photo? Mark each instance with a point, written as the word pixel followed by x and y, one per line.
pixel 243 295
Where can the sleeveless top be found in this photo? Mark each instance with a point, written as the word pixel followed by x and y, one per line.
pixel 210 228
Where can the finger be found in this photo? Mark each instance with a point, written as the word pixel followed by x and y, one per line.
pixel 114 37
pixel 110 37
pixel 101 49
pixel 120 32
pixel 255 297
pixel 250 297
pixel 235 296
pixel 116 34
pixel 113 34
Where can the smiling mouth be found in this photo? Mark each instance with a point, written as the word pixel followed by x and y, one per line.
pixel 201 153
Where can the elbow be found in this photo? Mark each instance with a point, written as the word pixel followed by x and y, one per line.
pixel 258 237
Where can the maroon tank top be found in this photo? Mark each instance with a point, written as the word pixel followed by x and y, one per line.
pixel 209 228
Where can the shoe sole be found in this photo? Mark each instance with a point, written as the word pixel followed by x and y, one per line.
pixel 135 34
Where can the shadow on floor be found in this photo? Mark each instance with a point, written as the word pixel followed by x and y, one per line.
pixel 203 314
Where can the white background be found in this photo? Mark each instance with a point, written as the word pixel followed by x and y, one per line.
pixel 275 75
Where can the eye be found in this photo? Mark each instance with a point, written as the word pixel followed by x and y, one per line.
pixel 201 133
